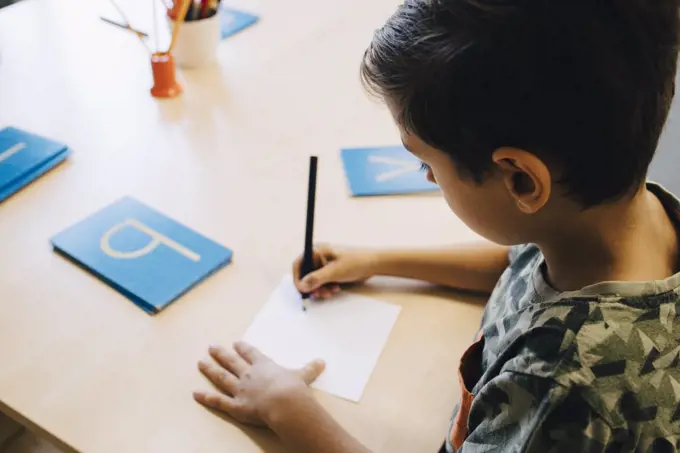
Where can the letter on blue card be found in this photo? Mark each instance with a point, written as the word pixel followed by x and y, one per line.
pixel 386 170
pixel 156 240
pixel 12 150
pixel 403 167
pixel 24 157
pixel 147 256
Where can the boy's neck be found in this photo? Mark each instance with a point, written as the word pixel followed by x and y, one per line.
pixel 633 240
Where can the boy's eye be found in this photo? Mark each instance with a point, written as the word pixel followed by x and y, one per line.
pixel 424 167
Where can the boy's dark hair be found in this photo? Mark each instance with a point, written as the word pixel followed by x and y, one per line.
pixel 584 84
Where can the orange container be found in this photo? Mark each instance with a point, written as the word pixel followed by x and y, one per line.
pixel 164 78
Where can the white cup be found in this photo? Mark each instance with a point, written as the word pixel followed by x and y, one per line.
pixel 197 42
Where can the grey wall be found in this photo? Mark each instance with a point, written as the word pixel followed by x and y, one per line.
pixel 667 160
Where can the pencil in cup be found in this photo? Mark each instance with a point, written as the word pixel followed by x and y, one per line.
pixel 196 44
pixel 180 16
pixel 205 9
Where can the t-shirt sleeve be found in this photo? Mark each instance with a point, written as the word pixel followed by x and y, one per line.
pixel 525 414
pixel 516 250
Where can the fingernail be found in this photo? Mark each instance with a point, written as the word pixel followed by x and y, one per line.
pixel 319 366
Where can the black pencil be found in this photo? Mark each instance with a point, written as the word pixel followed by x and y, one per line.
pixel 307 264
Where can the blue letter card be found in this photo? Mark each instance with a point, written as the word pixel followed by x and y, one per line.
pixel 233 21
pixel 145 255
pixel 387 170
pixel 24 157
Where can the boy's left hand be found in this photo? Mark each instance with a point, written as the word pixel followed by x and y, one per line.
pixel 251 386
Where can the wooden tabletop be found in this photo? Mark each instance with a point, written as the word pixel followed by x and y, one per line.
pixel 90 370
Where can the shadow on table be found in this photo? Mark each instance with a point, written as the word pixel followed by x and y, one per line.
pixel 206 93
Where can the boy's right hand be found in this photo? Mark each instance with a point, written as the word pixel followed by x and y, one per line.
pixel 334 267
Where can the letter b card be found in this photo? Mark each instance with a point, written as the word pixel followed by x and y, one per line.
pixel 148 257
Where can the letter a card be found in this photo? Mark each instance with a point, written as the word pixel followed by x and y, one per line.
pixel 389 170
pixel 24 157
pixel 148 257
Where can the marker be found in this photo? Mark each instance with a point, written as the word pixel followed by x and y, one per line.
pixel 307 264
pixel 194 10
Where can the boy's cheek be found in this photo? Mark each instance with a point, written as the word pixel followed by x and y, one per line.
pixel 481 208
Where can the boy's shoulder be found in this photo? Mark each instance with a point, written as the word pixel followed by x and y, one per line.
pixel 621 357
pixel 616 343
pixel 593 370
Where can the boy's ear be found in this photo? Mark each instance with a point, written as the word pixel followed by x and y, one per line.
pixel 526 177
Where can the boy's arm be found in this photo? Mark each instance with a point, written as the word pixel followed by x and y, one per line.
pixel 253 389
pixel 306 427
pixel 475 267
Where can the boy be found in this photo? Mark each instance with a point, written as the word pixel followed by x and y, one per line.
pixel 538 120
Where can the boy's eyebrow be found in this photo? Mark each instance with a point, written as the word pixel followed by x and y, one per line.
pixel 406 146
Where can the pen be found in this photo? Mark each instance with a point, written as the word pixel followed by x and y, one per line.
pixel 123 26
pixel 181 17
pixel 307 264
pixel 212 6
pixel 194 10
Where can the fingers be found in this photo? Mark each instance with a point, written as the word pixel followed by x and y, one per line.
pixel 249 353
pixel 312 371
pixel 326 292
pixel 216 401
pixel 221 378
pixel 322 293
pixel 321 259
pixel 320 277
pixel 230 360
pixel 323 254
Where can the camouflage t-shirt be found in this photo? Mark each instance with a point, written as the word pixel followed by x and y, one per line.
pixel 596 370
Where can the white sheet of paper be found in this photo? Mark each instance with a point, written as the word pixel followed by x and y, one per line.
pixel 348 332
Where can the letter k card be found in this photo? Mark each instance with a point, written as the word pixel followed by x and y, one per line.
pixel 389 170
